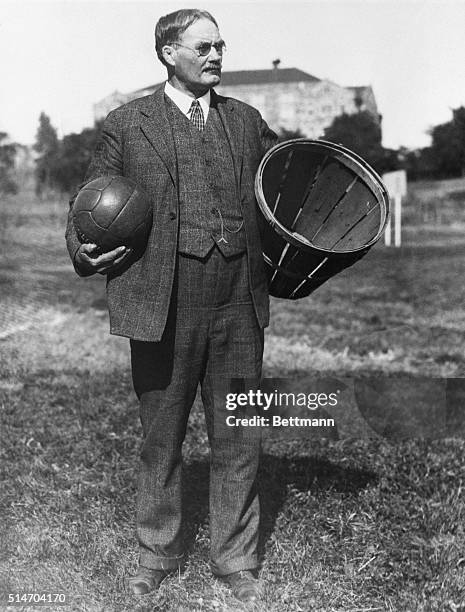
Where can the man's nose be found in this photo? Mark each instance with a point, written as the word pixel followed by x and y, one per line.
pixel 214 54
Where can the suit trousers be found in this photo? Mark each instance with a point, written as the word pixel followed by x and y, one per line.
pixel 212 334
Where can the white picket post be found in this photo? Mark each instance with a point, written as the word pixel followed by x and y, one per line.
pixel 396 184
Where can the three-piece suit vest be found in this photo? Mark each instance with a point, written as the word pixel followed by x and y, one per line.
pixel 209 203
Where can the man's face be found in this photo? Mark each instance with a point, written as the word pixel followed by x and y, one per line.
pixel 192 72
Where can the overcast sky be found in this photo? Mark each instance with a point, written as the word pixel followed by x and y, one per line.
pixel 62 56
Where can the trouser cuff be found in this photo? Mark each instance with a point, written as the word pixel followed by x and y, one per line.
pixel 229 567
pixel 163 563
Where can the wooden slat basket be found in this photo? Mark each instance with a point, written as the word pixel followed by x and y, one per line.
pixel 324 207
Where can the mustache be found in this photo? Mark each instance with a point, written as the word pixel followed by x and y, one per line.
pixel 213 66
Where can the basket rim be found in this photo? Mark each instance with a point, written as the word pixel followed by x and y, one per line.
pixel 357 163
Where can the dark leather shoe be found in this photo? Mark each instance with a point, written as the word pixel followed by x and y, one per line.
pixel 146 580
pixel 244 586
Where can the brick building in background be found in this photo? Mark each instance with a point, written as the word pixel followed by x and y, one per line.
pixel 286 97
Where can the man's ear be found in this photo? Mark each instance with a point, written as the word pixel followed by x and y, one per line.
pixel 167 52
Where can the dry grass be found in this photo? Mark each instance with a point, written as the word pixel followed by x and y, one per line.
pixel 435 202
pixel 355 524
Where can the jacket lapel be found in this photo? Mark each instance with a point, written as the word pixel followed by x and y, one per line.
pixel 234 127
pixel 156 128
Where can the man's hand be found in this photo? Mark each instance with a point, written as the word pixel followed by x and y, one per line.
pixel 88 258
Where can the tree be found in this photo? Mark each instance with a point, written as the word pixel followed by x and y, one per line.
pixel 7 163
pixel 284 134
pixel 418 163
pixel 62 164
pixel 75 153
pixel 448 145
pixel 360 133
pixel 46 146
pixel 458 119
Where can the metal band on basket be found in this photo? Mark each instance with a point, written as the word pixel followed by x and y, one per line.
pixel 323 208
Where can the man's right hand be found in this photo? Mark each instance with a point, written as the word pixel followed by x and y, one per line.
pixel 89 260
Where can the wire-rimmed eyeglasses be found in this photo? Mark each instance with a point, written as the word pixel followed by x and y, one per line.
pixel 204 48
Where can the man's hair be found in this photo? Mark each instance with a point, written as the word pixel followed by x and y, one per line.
pixel 170 27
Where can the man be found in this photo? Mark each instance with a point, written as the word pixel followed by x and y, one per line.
pixel 194 305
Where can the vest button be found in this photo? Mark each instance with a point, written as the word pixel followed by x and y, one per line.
pixel 172 215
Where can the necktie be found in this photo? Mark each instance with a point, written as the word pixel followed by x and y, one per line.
pixel 196 115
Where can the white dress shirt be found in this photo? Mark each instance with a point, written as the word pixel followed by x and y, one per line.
pixel 184 102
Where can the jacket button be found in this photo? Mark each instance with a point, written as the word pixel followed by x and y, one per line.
pixel 172 215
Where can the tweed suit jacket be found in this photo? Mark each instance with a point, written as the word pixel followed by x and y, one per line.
pixel 137 142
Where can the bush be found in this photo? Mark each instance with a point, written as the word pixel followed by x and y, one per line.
pixel 7 162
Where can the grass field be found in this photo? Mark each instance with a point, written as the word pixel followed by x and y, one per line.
pixel 348 525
